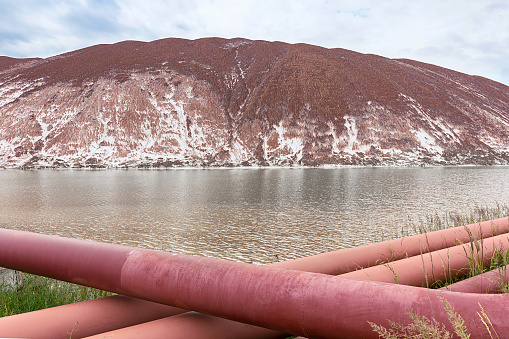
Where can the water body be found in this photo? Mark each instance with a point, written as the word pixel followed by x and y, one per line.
pixel 250 215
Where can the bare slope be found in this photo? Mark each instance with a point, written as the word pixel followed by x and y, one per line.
pixel 217 102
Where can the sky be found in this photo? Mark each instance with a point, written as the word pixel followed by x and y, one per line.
pixel 469 36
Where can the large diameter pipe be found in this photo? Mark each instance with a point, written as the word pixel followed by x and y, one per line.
pixel 365 256
pixel 191 325
pixel 411 270
pixel 437 266
pixel 84 318
pixel 346 260
pixel 302 303
pixel 328 263
pixel 493 281
pixel 78 261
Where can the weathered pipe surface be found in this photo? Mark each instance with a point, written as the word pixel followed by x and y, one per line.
pixel 302 303
pixel 328 263
pixel 191 325
pixel 434 266
pixel 490 282
pixel 79 261
pixel 84 318
pixel 404 266
pixel 345 260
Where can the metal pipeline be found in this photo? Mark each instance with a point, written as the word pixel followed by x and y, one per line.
pixel 328 263
pixel 411 270
pixel 85 318
pixel 308 304
pixel 192 325
pixel 489 282
pixel 435 266
pixel 364 256
pixel 346 260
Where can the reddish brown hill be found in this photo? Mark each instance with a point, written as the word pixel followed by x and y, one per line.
pixel 10 64
pixel 217 102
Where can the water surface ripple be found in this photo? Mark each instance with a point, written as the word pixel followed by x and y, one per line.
pixel 250 215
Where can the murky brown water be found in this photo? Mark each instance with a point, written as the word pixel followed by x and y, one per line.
pixel 252 215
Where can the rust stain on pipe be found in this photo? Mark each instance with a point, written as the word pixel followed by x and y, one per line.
pixel 308 304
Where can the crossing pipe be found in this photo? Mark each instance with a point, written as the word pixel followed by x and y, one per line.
pixel 434 266
pixel 301 303
pixel 439 266
pixel 493 281
pixel 349 259
pixel 84 318
pixel 91 320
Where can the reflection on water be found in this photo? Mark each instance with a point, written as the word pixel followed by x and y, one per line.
pixel 258 215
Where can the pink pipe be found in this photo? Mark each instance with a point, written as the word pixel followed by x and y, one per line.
pixel 191 325
pixel 329 263
pixel 312 305
pixel 84 318
pixel 349 259
pixel 406 267
pixel 366 255
pixel 439 265
pixel 489 282
pixel 432 240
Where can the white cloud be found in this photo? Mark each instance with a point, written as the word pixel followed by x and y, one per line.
pixel 470 36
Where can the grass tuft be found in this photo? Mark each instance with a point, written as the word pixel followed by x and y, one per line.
pixel 422 327
pixel 456 320
pixel 487 323
pixel 36 293
pixel 436 222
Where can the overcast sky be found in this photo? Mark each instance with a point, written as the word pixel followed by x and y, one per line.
pixel 470 36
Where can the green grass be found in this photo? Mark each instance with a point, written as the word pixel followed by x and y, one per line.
pixel 500 258
pixel 422 327
pixel 434 222
pixel 37 293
